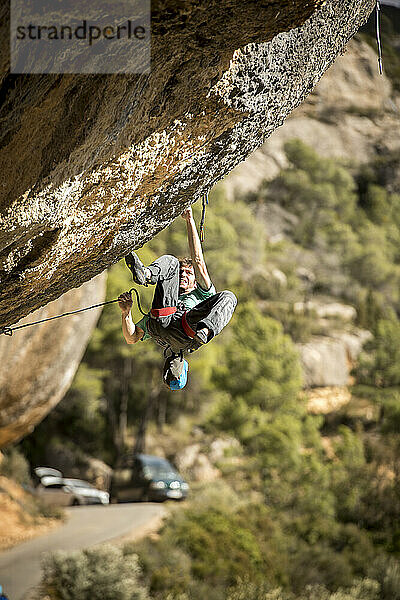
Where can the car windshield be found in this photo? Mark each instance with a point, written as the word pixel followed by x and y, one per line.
pixel 160 471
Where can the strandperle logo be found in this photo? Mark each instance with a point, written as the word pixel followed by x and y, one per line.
pixel 91 33
pixel 71 36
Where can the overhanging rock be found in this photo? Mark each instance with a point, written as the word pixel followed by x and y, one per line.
pixel 94 166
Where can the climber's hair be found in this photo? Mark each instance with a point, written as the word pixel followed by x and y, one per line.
pixel 186 261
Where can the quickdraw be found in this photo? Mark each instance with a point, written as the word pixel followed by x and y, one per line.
pixel 378 37
pixel 203 217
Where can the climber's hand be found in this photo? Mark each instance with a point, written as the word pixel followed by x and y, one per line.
pixel 187 214
pixel 125 303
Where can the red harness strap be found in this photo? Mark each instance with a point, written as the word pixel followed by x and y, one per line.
pixel 170 310
pixel 163 312
pixel 186 327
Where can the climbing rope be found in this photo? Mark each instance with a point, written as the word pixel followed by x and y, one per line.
pixel 203 216
pixel 378 37
pixel 10 330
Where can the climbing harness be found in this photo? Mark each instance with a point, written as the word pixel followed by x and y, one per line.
pixel 378 36
pixel 203 216
pixel 10 330
pixel 163 312
pixel 186 327
pixel 171 310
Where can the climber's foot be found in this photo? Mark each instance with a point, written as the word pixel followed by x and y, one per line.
pixel 202 335
pixel 137 268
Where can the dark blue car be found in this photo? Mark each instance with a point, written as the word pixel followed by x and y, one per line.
pixel 148 479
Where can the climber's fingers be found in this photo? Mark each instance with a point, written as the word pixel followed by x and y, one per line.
pixel 187 214
pixel 125 301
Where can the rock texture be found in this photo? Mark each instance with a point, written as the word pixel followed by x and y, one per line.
pixel 328 360
pixel 322 401
pixel 324 362
pixel 195 464
pixel 331 310
pixel 95 166
pixel 351 113
pixel 37 364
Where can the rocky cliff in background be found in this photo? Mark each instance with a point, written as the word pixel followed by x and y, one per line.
pixel 37 364
pixel 95 166
pixel 352 114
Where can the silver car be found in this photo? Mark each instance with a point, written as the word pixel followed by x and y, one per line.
pixel 69 492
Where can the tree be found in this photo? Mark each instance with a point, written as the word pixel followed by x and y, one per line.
pixel 379 365
pixel 260 365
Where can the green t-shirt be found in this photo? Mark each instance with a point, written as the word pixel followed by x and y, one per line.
pixel 189 301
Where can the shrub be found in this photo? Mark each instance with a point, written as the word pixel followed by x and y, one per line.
pixel 367 589
pixel 221 546
pixel 387 572
pixel 261 364
pixel 103 573
pixel 249 590
pixel 166 567
pixel 15 466
pixel 381 367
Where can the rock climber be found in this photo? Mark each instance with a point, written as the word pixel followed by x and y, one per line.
pixel 186 312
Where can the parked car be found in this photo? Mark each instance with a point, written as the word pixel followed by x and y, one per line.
pixel 86 493
pixel 47 472
pixel 148 478
pixel 69 492
pixel 40 472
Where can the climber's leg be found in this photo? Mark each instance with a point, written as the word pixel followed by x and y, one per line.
pixel 212 314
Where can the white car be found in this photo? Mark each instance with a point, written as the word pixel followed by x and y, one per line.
pixel 69 492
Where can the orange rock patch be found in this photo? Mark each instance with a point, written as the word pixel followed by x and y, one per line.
pixel 18 521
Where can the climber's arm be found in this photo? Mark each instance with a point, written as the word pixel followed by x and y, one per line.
pixel 131 333
pixel 196 252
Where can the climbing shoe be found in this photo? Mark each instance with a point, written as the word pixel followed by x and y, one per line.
pixel 137 268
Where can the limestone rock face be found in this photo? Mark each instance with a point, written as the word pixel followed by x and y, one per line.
pixel 327 360
pixel 92 167
pixel 325 400
pixel 337 310
pixel 38 363
pixel 195 464
pixel 350 113
pixel 324 362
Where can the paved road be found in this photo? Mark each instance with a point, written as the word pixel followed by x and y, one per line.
pixel 86 526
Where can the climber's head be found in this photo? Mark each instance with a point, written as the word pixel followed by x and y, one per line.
pixel 187 277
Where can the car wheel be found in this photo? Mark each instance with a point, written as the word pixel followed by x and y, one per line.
pixel 75 502
pixel 145 497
